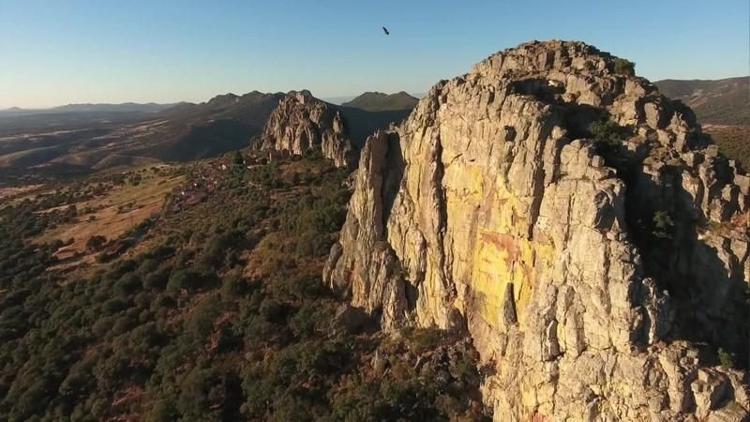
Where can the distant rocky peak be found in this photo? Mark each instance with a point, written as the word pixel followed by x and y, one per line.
pixel 302 123
pixel 223 100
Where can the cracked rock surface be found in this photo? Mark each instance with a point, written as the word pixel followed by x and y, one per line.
pixel 595 285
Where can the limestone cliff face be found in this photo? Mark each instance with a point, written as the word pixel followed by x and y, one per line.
pixel 585 272
pixel 302 123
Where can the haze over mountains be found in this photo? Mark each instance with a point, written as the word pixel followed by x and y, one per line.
pixel 99 107
pixel 397 101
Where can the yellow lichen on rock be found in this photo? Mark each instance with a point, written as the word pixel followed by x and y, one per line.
pixel 501 259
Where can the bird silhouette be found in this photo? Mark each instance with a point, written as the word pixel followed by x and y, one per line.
pixel 386 31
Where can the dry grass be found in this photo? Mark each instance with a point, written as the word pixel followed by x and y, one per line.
pixel 16 191
pixel 111 216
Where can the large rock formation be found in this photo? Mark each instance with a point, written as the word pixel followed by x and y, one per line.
pixel 302 123
pixel 598 267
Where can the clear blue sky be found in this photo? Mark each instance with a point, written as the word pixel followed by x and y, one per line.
pixel 56 52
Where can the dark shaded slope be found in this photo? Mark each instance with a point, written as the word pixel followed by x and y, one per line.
pixel 225 123
pixel 362 123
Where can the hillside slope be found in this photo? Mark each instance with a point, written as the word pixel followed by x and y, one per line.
pixel 719 102
pixel 208 308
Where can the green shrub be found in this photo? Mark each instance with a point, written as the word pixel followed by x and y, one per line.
pixel 233 286
pixel 422 339
pixel 608 133
pixel 624 67
pixel 201 321
pixel 163 410
pixel 114 305
pixel 272 311
pixel 95 243
pixel 184 279
pixel 156 280
pixel 127 285
pixel 663 225
pixel 147 266
pixel 726 359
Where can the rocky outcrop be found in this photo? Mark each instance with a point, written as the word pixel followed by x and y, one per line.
pixel 304 123
pixel 597 267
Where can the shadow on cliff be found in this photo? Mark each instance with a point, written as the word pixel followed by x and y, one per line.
pixel 710 304
pixel 393 174
pixel 361 123
pixel 577 118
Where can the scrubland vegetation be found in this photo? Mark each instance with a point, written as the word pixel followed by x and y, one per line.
pixel 216 312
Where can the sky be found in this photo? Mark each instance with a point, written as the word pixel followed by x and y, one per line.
pixel 106 51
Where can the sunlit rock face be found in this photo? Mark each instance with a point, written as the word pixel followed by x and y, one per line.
pixel 303 123
pixel 585 274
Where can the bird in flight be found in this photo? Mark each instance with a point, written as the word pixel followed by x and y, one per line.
pixel 386 31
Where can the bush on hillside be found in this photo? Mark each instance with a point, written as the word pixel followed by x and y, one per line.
pixel 624 67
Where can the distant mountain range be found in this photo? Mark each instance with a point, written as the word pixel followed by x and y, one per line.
pixel 378 100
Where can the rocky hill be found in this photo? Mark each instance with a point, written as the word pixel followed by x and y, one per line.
pixel 304 123
pixel 378 101
pixel 576 224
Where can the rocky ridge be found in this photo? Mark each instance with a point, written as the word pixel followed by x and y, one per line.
pixel 596 275
pixel 302 123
